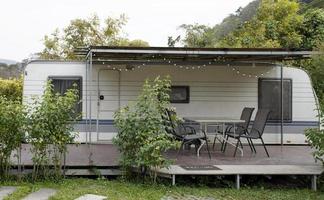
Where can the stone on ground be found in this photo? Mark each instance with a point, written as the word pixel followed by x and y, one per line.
pixel 42 194
pixel 6 190
pixel 91 197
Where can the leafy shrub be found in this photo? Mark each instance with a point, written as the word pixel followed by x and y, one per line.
pixel 11 88
pixel 315 138
pixel 50 129
pixel 142 138
pixel 12 131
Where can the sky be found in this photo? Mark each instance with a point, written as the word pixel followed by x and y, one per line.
pixel 25 22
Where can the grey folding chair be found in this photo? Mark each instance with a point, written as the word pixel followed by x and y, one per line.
pixel 257 130
pixel 240 128
pixel 189 136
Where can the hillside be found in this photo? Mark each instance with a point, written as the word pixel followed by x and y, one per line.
pixel 312 4
pixel 235 20
pixel 9 69
pixel 7 62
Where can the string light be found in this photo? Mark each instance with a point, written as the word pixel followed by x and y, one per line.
pixel 198 67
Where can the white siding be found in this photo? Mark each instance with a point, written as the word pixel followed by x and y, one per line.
pixel 214 91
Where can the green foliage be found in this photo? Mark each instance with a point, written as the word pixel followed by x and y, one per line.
pixel 84 33
pixel 12 131
pixel 197 35
pixel 172 42
pixel 11 88
pixel 8 71
pixel 276 24
pixel 142 138
pixel 315 138
pixel 204 36
pixel 315 68
pixel 51 129
pixel 312 29
pixel 309 4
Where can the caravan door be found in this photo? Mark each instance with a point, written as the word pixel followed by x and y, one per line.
pixel 108 101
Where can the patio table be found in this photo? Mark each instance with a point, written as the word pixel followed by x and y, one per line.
pixel 205 122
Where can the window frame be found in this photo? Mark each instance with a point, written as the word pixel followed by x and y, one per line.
pixel 290 115
pixel 80 78
pixel 185 87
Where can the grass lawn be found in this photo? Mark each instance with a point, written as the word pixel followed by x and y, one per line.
pixel 120 190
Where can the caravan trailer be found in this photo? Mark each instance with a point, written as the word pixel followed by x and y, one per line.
pixel 205 83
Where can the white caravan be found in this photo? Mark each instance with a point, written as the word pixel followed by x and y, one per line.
pixel 206 89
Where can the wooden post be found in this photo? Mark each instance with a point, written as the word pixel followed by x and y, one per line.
pixel 238 181
pixel 314 179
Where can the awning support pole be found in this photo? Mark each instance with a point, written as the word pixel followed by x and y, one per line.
pixel 281 103
pixel 86 98
pixel 90 94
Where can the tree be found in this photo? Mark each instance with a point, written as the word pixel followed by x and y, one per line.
pixel 172 42
pixel 12 131
pixel 11 89
pixel 142 137
pixel 208 36
pixel 276 24
pixel 197 35
pixel 315 68
pixel 86 32
pixel 50 128
pixel 312 29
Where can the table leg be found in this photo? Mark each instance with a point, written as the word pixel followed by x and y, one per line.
pixel 202 144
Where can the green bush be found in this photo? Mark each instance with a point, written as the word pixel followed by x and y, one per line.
pixel 12 131
pixel 51 120
pixel 11 88
pixel 142 138
pixel 315 138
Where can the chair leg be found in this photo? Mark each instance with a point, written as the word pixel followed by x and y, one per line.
pixel 214 142
pixel 237 144
pixel 207 148
pixel 225 145
pixel 222 145
pixel 181 146
pixel 265 148
pixel 241 144
pixel 248 140
pixel 253 145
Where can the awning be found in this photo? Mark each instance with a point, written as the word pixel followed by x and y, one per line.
pixel 158 55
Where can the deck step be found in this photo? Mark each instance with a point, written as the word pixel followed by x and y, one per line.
pixel 91 197
pixel 42 194
pixel 6 190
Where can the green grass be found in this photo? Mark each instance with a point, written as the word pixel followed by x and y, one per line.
pixel 121 190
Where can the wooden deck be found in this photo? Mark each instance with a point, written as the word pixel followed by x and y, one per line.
pixel 286 160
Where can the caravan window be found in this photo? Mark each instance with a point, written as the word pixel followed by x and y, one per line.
pixel 269 98
pixel 179 94
pixel 62 84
